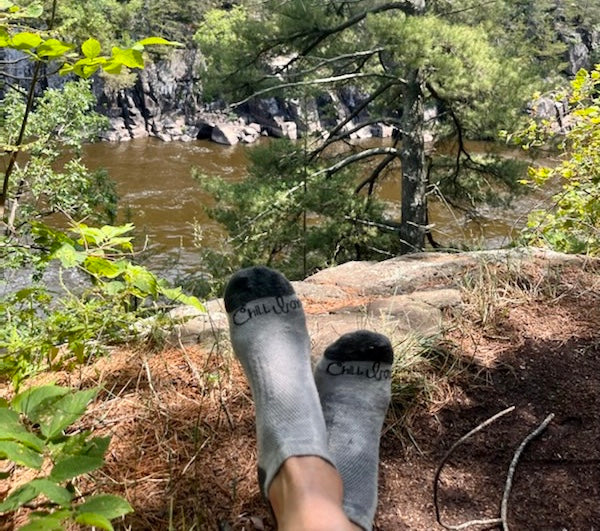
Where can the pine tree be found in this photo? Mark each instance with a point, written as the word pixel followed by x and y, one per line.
pixel 402 58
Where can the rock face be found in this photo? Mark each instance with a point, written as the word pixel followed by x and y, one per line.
pixel 163 102
pixel 404 298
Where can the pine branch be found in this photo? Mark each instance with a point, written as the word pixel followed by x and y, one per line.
pixel 318 81
pixel 356 157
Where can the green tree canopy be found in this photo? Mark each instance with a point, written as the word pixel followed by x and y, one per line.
pixel 403 59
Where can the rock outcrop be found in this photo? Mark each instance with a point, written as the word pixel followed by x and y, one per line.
pixel 165 103
pixel 403 297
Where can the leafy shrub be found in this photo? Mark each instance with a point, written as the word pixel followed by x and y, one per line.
pixel 33 436
pixel 572 223
pixel 37 332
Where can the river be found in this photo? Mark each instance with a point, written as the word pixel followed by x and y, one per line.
pixel 158 194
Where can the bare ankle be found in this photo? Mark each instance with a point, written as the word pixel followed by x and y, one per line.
pixel 306 494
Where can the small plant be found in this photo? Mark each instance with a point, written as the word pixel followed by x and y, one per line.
pixel 33 436
pixel 571 222
pixel 39 331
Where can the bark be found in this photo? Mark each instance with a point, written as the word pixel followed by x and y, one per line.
pixel 414 171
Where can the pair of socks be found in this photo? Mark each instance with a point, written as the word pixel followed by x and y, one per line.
pixel 336 414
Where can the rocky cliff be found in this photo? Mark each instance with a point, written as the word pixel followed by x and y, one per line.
pixel 165 102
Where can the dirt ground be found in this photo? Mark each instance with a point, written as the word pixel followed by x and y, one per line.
pixel 183 450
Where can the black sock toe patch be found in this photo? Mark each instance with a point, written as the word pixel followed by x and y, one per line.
pixel 362 345
pixel 255 283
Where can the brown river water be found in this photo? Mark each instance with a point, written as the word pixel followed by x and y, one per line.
pixel 158 194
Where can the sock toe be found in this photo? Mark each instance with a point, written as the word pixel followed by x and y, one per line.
pixel 361 345
pixel 253 283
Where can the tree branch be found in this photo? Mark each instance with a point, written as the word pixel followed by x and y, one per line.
pixel 409 7
pixel 324 61
pixel 406 6
pixel 370 180
pixel 356 157
pixel 318 81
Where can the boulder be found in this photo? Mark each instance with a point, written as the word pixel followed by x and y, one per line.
pixel 204 327
pixel 578 56
pixel 412 272
pixel 225 134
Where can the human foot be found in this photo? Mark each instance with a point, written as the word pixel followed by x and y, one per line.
pixel 354 383
pixel 269 337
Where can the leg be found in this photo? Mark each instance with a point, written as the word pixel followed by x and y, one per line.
pixel 306 495
pixel 269 336
pixel 354 383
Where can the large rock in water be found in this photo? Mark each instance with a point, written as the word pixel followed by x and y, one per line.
pixel 228 135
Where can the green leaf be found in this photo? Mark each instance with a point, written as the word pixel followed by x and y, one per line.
pixel 101 267
pixel 69 256
pixel 66 411
pixel 53 48
pixel 157 40
pixel 34 402
pixel 11 428
pixel 55 493
pixel 91 48
pixel 142 279
pixel 15 499
pixel 26 40
pixel 112 67
pixel 46 522
pixel 20 454
pixel 106 505
pixel 97 447
pixel 66 69
pixel 176 294
pixel 127 56
pixel 95 520
pixel 5 4
pixel 113 288
pixel 74 466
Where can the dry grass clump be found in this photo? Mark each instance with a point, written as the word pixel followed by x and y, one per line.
pixel 500 301
pixel 489 291
pixel 424 377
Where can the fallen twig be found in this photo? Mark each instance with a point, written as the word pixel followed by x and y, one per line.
pixel 513 467
pixel 490 521
pixel 509 477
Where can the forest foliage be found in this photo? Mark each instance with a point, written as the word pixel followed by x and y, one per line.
pixel 571 223
pixel 42 175
pixel 304 205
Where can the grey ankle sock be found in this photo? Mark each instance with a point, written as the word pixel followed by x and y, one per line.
pixel 354 383
pixel 269 336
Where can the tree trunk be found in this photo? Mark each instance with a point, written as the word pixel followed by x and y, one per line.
pixel 414 172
